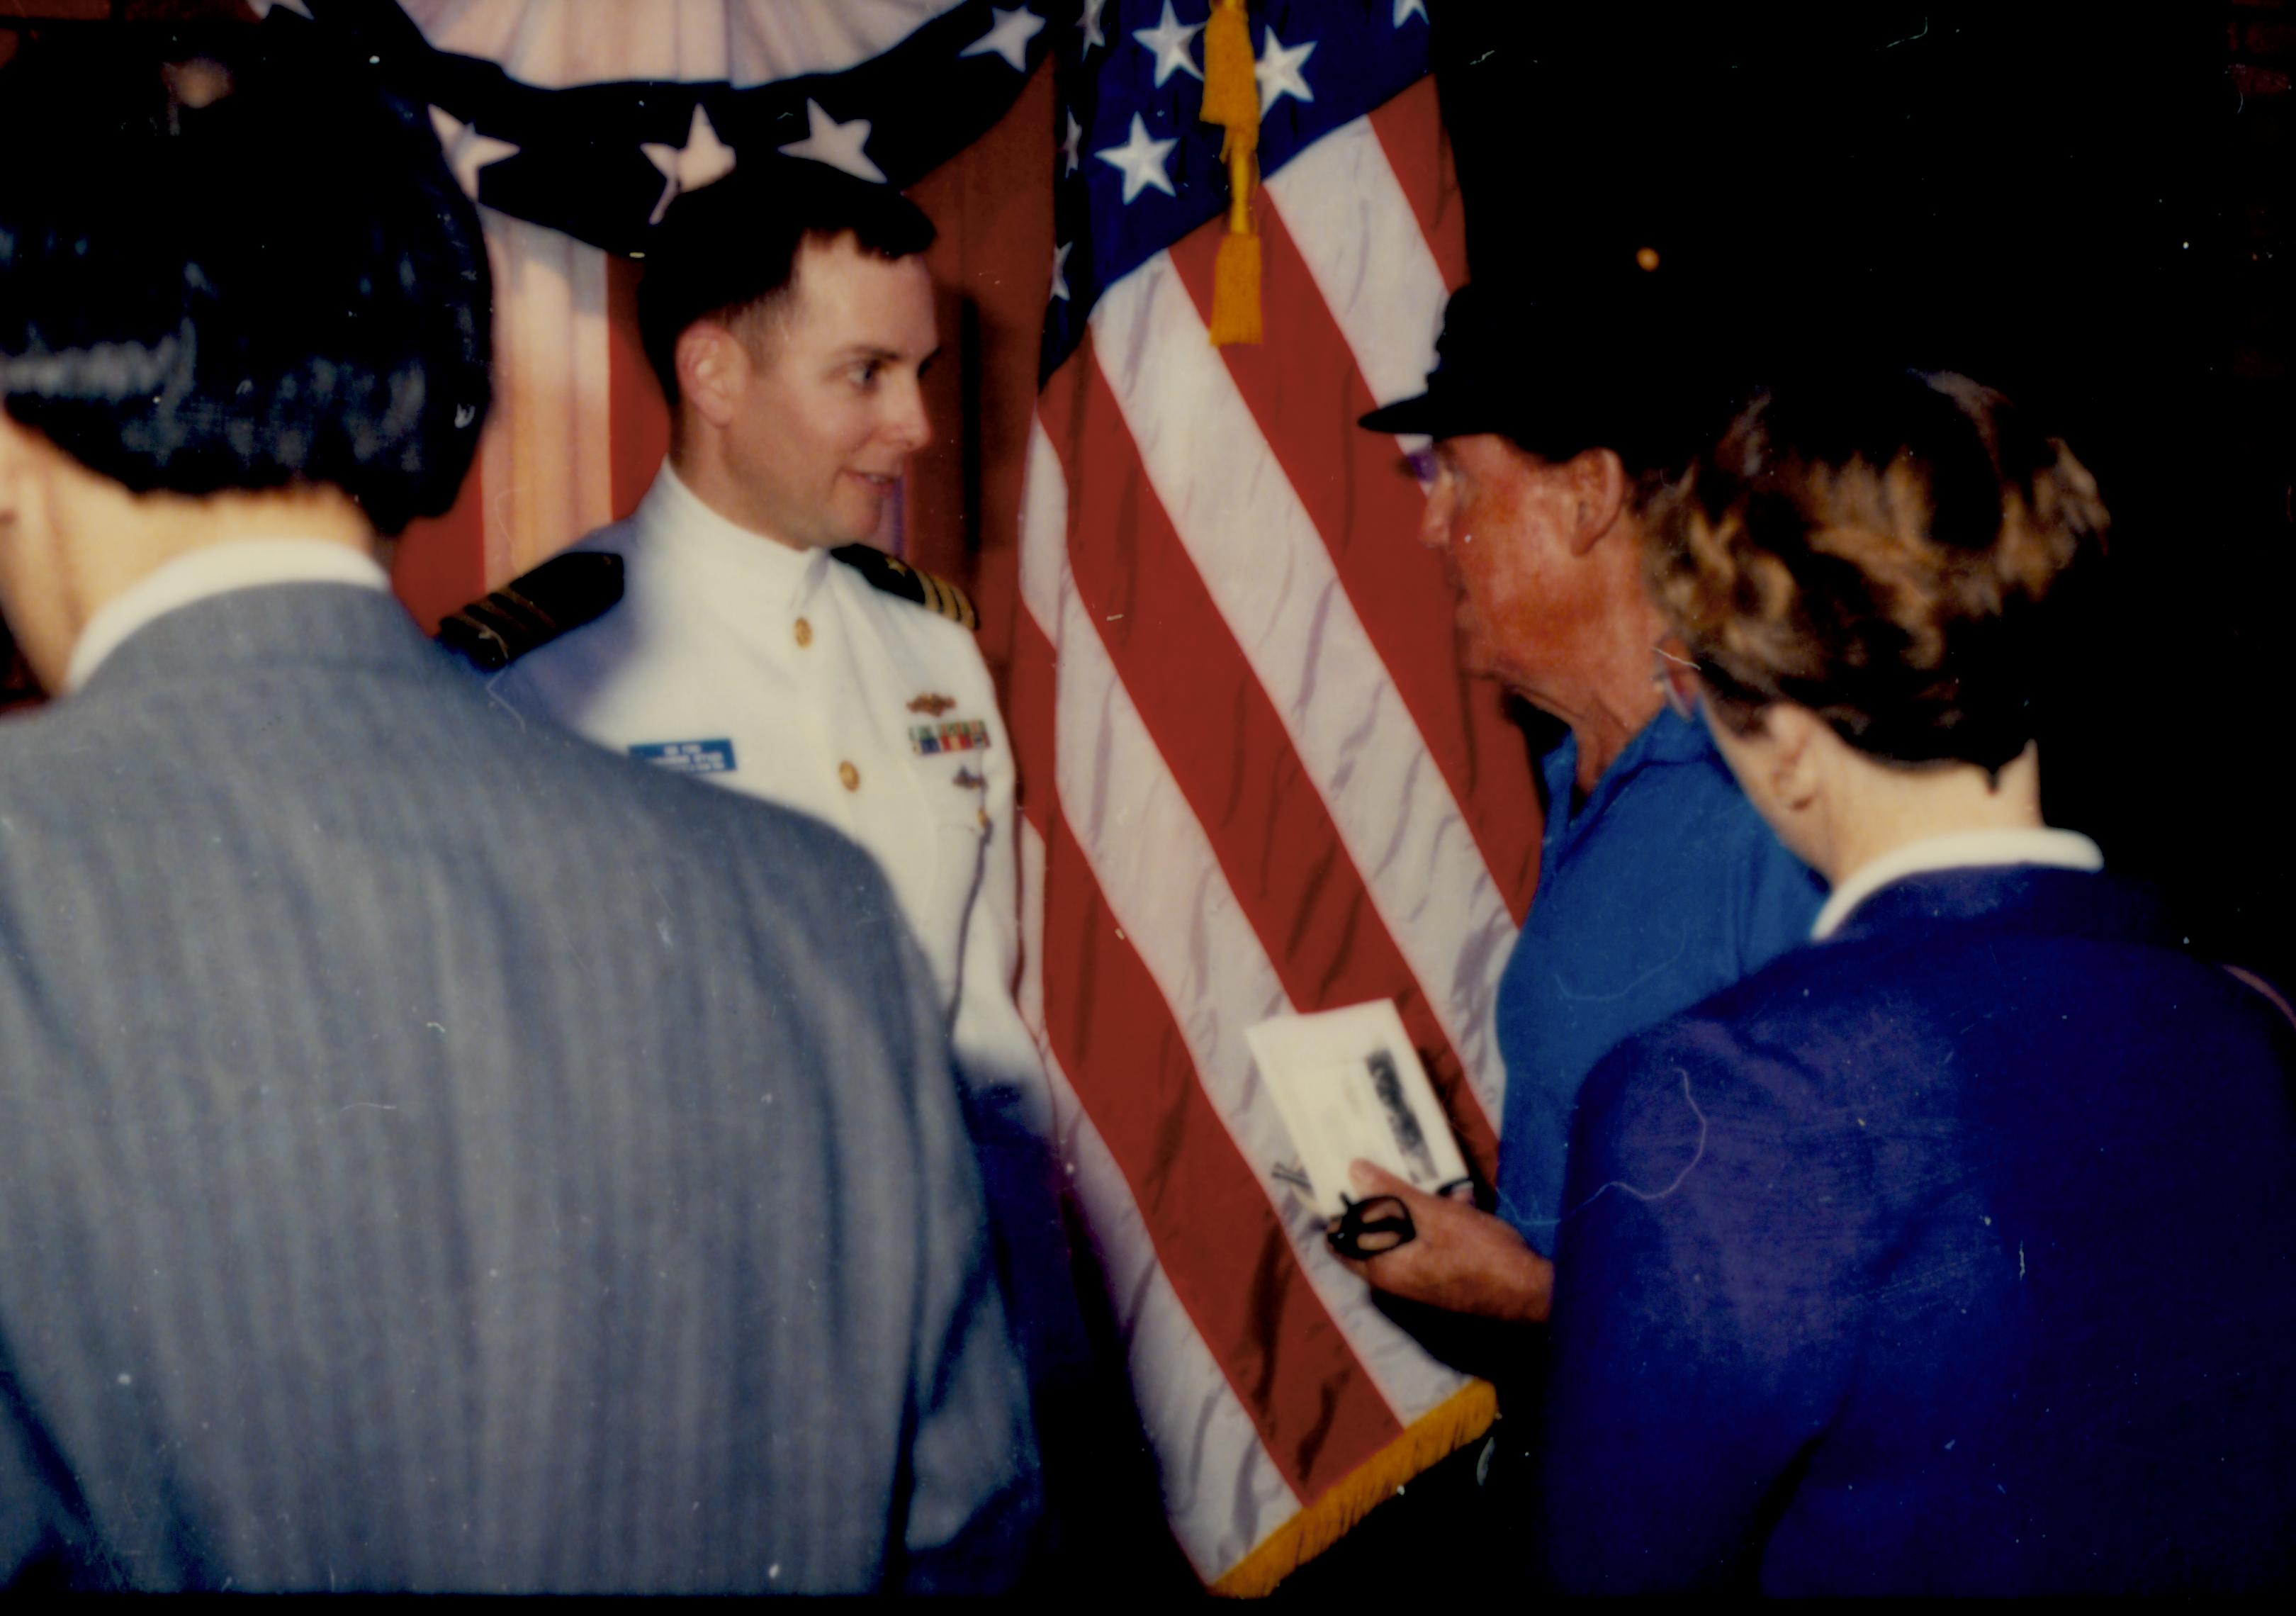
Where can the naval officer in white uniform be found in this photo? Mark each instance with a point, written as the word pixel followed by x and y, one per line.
pixel 761 645
pixel 742 650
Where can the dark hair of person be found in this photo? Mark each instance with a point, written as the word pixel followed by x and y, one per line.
pixel 243 269
pixel 729 250
pixel 1880 551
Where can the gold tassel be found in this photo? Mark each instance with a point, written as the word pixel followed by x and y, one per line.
pixel 1230 94
pixel 1231 97
pixel 1235 290
pixel 1441 1431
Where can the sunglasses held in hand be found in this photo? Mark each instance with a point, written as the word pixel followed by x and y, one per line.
pixel 1378 1223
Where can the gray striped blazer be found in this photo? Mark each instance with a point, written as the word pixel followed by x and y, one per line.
pixel 435 1154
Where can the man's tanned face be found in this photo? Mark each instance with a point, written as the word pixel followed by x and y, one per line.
pixel 1493 513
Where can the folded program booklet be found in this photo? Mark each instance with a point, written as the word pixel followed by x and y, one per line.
pixel 1349 1086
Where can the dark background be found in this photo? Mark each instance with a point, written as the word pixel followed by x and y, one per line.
pixel 2082 206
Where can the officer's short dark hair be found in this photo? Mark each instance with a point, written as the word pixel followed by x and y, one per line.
pixel 245 267
pixel 730 249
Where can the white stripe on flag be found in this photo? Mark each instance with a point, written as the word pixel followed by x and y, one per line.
pixel 1218 481
pixel 1349 215
pixel 1156 869
pixel 1355 230
pixel 1222 1493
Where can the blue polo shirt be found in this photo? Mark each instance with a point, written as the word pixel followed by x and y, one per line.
pixel 1663 887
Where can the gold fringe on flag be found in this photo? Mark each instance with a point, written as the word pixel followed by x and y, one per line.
pixel 1232 98
pixel 1450 1425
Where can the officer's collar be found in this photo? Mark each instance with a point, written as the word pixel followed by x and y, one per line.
pixel 672 517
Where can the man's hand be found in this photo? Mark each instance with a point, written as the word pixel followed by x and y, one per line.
pixel 1463 1260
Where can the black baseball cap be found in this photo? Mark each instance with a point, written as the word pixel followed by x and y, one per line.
pixel 1485 368
pixel 1612 361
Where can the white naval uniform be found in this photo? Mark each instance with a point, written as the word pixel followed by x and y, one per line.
pixel 784 674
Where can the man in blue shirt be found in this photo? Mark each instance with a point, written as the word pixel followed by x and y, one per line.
pixel 1657 883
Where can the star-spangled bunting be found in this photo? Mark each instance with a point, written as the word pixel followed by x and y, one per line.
pixel 700 159
pixel 604 161
pixel 841 145
pixel 467 151
pixel 1088 25
pixel 1009 38
pixel 1069 155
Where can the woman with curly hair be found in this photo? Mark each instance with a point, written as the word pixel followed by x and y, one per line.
pixel 1957 1250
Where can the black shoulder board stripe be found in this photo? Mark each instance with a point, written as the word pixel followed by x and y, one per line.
pixel 561 595
pixel 897 576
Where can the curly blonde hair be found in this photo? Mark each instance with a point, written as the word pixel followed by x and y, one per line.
pixel 1879 552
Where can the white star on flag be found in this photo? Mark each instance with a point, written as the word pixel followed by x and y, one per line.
pixel 1170 41
pixel 467 151
pixel 1068 143
pixel 263 8
pixel 1141 159
pixel 1061 270
pixel 1088 25
pixel 703 160
pixel 1278 72
pixel 838 145
pixel 1009 37
pixel 1405 10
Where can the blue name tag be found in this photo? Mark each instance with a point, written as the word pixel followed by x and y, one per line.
pixel 687 757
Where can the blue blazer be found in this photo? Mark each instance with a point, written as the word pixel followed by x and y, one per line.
pixel 1955 1254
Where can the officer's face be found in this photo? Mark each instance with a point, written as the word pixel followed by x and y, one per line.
pixel 830 411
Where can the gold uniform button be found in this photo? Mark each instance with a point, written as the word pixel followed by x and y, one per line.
pixel 849 775
pixel 804 634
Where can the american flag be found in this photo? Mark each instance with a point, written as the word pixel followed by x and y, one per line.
pixel 1253 779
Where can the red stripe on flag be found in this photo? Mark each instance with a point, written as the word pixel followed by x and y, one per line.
pixel 1410 127
pixel 1364 501
pixel 1219 1242
pixel 1224 742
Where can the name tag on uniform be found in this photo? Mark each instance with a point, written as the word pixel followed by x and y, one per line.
pixel 687 757
pixel 957 735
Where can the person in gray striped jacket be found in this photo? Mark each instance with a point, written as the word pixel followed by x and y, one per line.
pixel 434 1152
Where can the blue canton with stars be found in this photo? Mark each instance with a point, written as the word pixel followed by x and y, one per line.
pixel 1137 169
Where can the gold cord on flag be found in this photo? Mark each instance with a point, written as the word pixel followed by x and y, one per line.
pixel 1232 98
pixel 1465 1417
